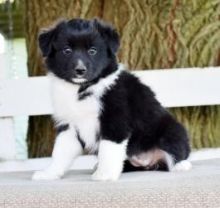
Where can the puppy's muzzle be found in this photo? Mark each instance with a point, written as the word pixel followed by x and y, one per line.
pixel 80 69
pixel 80 72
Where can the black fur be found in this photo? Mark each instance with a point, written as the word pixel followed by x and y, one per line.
pixel 79 36
pixel 61 128
pixel 130 109
pixel 83 95
pixel 80 140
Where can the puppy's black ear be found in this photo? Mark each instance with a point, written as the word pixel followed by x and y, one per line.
pixel 109 34
pixel 45 41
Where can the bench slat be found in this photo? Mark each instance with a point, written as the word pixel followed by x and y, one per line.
pixel 174 88
pixel 184 87
pixel 30 96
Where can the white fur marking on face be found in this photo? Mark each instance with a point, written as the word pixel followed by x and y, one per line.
pixel 183 165
pixel 66 148
pixel 80 64
pixel 111 157
pixel 79 80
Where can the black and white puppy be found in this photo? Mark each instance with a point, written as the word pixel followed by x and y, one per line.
pixel 100 108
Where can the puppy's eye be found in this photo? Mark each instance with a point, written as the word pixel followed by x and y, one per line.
pixel 92 51
pixel 67 51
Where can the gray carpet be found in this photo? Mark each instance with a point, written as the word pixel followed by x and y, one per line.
pixel 199 187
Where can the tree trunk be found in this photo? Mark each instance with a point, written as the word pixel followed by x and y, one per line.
pixel 154 34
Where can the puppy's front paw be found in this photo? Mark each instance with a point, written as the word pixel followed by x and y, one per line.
pixel 45 175
pixel 104 176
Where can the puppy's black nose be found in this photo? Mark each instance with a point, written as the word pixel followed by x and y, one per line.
pixel 80 71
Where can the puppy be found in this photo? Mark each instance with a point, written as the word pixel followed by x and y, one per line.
pixel 100 108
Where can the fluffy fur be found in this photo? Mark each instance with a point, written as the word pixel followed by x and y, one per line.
pixel 100 108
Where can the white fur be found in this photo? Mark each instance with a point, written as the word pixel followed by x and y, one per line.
pixel 80 64
pixel 82 115
pixel 66 148
pixel 111 157
pixel 169 161
pixel 105 83
pixel 79 80
pixel 183 165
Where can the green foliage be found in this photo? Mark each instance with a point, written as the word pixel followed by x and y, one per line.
pixel 11 16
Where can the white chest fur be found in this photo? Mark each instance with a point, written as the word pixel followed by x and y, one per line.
pixel 83 114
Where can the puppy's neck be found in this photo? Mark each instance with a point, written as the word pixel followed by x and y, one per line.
pixel 111 68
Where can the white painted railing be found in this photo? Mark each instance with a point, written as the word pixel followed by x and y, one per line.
pixel 174 88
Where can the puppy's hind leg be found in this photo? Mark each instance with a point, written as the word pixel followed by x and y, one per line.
pixel 176 161
pixel 183 165
pixel 175 143
pixel 66 148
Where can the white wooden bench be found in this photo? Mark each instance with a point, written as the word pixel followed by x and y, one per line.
pixel 174 88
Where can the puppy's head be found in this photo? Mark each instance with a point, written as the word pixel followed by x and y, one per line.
pixel 79 50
